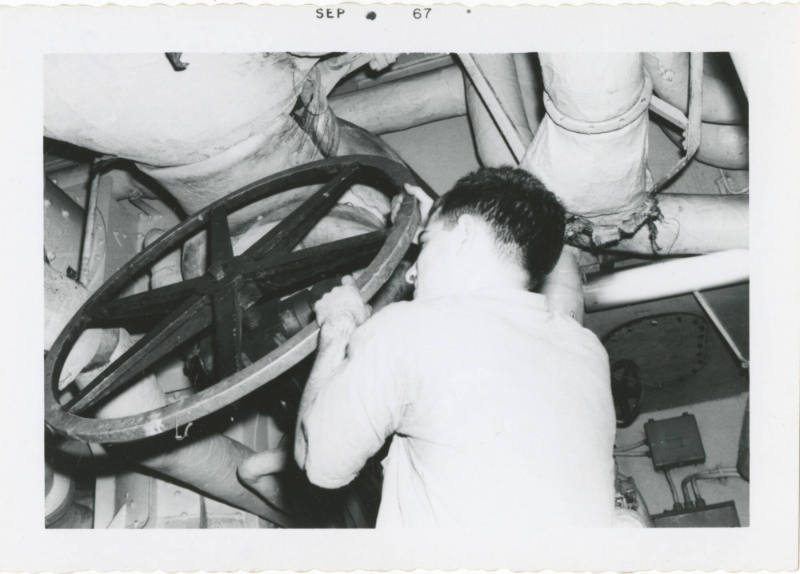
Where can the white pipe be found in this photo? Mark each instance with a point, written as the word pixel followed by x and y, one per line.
pixel 667 279
pixel 670 74
pixel 514 84
pixel 694 224
pixel 404 103
pixel 500 116
pixel 594 174
pixel 723 146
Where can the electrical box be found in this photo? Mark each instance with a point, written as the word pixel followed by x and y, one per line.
pixel 713 515
pixel 674 442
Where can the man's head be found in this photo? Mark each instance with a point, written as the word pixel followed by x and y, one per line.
pixel 496 226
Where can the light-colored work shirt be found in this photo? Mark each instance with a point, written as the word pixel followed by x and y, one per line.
pixel 501 412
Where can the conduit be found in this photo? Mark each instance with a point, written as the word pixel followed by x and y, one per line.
pixel 667 279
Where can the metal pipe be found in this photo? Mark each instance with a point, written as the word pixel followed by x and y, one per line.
pixel 88 233
pixel 659 280
pixel 703 302
pixel 490 99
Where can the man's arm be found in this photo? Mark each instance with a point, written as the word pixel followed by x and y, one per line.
pixel 338 314
pixel 563 287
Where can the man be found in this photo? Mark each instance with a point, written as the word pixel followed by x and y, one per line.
pixel 500 409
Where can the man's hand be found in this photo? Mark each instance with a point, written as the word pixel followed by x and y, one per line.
pixel 341 310
pixel 424 201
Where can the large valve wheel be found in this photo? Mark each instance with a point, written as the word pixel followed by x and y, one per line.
pixel 269 269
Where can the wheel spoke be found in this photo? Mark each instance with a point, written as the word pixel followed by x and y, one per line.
pixel 147 305
pixel 280 276
pixel 290 231
pixel 219 238
pixel 188 320
pixel 227 331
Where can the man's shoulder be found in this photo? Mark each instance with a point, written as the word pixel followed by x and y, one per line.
pixel 580 337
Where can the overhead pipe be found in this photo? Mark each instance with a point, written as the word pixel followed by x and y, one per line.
pixel 722 146
pixel 669 72
pixel 724 133
pixel 530 88
pixel 667 279
pixel 591 147
pixel 692 224
pixel 404 103
pixel 496 97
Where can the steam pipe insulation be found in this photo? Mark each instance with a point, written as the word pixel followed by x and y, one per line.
pixel 404 103
pixel 201 133
pixel 693 224
pixel 500 72
pixel 667 279
pixel 723 146
pixel 591 147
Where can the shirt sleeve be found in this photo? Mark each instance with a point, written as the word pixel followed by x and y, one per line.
pixel 361 405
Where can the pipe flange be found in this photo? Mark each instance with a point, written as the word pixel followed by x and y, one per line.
pixel 604 126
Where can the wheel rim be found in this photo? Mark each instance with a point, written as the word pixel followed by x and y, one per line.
pixel 198 304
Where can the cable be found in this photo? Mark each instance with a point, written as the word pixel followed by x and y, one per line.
pixel 677 503
pixel 631 446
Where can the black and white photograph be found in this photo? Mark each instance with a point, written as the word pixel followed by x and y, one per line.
pixel 409 291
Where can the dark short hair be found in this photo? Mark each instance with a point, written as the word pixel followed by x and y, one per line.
pixel 526 217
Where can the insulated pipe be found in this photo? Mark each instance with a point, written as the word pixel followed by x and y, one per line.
pixel 667 279
pixel 694 224
pixel 670 74
pixel 591 147
pixel 723 146
pixel 503 100
pixel 530 89
pixel 404 103
pixel 203 132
